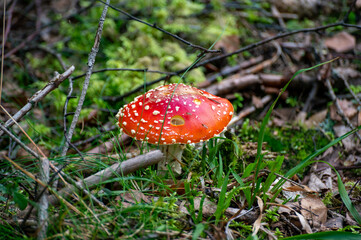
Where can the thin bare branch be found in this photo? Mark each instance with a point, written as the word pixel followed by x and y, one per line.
pixel 38 96
pixel 91 61
pixel 246 48
pixel 127 69
pixel 203 49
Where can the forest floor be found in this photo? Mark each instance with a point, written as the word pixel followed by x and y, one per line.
pixel 287 167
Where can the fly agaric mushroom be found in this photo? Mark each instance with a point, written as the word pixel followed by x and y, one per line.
pixel 173 115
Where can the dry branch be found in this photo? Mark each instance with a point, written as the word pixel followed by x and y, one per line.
pixel 91 61
pixel 233 83
pixel 38 96
pixel 123 168
pixel 243 49
pixel 247 111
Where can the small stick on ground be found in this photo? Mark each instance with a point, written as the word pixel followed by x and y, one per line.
pixel 123 168
pixel 247 111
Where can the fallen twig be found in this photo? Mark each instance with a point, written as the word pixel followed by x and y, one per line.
pixel 245 112
pixel 229 70
pixel 109 145
pixel 233 83
pixel 122 168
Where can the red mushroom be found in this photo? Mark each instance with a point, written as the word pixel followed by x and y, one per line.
pixel 175 114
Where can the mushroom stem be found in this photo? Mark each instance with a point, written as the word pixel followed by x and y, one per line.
pixel 173 157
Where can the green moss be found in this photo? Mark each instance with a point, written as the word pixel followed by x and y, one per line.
pixel 38 129
pixel 356 88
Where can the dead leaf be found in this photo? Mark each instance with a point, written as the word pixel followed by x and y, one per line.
pixel 316 119
pixel 316 183
pixel 257 223
pixel 228 43
pixel 358 4
pixel 132 197
pixel 312 208
pixel 347 72
pixel 334 223
pixel 299 7
pixel 208 208
pixel 301 117
pixel 63 6
pixel 352 160
pixel 346 106
pixel 341 42
pixel 340 130
pixel 304 223
pixel 177 187
pixel 291 191
pixel 286 208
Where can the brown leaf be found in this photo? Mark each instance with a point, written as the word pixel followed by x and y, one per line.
pixel 347 72
pixel 172 187
pixel 346 106
pixel 132 197
pixel 340 130
pixel 228 43
pixel 334 223
pixel 296 188
pixel 257 102
pixel 208 208
pixel 341 42
pixel 314 209
pixel 316 183
pixel 316 119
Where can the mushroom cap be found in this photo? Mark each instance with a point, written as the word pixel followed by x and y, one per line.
pixel 193 115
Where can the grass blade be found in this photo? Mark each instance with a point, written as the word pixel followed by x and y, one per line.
pixel 266 118
pixel 327 236
pixel 304 162
pixel 346 200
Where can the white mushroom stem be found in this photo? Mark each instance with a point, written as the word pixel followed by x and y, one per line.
pixel 172 157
